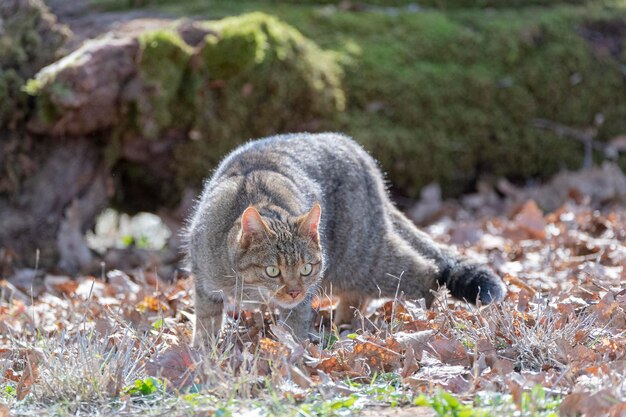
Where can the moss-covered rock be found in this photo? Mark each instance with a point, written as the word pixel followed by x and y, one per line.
pixel 389 6
pixel 82 93
pixel 163 63
pixel 30 38
pixel 258 76
pixel 249 76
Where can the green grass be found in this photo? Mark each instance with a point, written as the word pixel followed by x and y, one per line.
pixel 149 396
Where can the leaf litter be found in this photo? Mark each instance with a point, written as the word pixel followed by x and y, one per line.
pixel 562 326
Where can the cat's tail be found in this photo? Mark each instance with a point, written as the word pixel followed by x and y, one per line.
pixel 469 281
pixel 464 278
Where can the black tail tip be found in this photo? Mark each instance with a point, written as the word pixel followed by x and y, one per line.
pixel 475 283
pixel 490 287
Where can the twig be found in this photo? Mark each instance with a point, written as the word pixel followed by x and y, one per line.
pixel 587 139
pixel 568 132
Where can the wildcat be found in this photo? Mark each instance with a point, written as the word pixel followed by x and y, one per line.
pixel 285 215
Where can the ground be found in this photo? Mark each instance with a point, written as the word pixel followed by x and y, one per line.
pixel 119 343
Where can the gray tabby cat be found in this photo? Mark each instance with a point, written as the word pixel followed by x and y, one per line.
pixel 285 215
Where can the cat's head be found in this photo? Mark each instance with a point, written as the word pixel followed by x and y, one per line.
pixel 284 258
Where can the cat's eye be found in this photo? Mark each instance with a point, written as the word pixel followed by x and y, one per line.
pixel 272 271
pixel 305 269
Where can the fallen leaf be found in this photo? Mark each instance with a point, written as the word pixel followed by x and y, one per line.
pixel 449 351
pixel 584 403
pixel 150 303
pixel 417 341
pixel 530 219
pixel 177 364
pixel 285 337
pixel 29 375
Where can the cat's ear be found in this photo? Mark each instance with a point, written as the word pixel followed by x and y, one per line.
pixel 252 226
pixel 309 223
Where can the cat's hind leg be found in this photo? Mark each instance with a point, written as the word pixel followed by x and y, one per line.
pixel 349 304
pixel 401 270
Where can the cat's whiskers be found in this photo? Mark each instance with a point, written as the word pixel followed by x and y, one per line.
pixel 316 289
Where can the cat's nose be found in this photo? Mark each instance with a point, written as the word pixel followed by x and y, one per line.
pixel 294 293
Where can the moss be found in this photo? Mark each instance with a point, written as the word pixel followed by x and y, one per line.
pixel 51 91
pixel 237 49
pixel 11 98
pixel 258 76
pixel 30 38
pixel 163 62
pixel 450 97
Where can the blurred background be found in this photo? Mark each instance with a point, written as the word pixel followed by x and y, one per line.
pixel 112 112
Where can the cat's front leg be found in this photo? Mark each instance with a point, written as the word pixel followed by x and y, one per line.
pixel 298 319
pixel 209 310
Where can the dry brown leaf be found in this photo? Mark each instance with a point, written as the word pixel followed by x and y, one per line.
pixel 584 403
pixel 513 280
pixel 502 366
pixel 419 325
pixel 60 284
pixel 284 336
pixel 417 341
pixel 150 303
pixel 516 391
pixel 449 351
pixel 530 220
pixel 177 364
pixel 397 311
pixel 29 375
pixel 411 364
pixel 618 410
pixel 271 349
pixel 379 354
pixel 300 377
pixel 583 354
pixel 331 365
pixel 434 372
